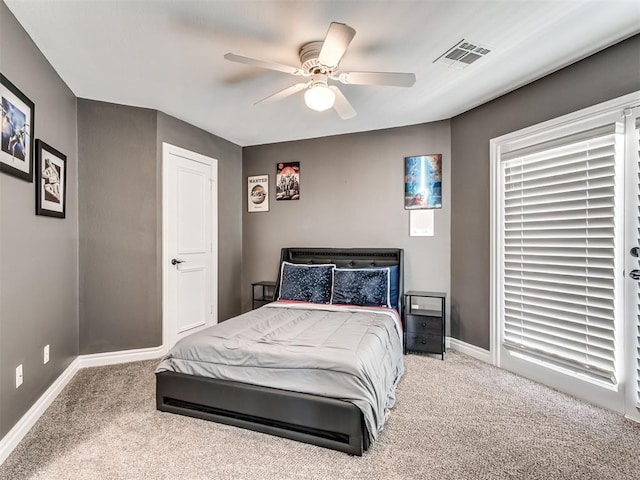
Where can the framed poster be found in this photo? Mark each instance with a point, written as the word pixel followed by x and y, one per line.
pixel 423 182
pixel 51 181
pixel 16 146
pixel 258 193
pixel 288 181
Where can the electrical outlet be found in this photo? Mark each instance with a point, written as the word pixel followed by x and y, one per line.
pixel 45 358
pixel 19 376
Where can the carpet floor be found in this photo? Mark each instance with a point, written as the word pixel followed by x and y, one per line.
pixel 457 419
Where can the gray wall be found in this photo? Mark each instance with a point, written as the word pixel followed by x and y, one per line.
pixel 229 156
pixel 352 195
pixel 606 75
pixel 120 304
pixel 121 222
pixel 38 255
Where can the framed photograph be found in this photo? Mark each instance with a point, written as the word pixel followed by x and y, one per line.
pixel 423 182
pixel 258 193
pixel 288 181
pixel 16 147
pixel 51 181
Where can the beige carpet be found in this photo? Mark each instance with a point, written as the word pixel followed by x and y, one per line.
pixel 457 419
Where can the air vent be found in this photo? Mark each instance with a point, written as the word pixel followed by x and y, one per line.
pixel 463 54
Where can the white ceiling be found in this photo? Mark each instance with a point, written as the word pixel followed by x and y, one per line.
pixel 168 55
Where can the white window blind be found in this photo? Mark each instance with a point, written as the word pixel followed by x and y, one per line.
pixel 558 260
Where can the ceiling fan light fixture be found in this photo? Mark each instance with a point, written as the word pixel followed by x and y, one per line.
pixel 319 97
pixel 320 60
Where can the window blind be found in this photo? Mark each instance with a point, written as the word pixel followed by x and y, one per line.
pixel 558 237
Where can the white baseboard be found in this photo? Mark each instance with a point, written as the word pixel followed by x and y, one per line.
pixel 11 440
pixel 633 419
pixel 124 356
pixel 29 419
pixel 468 349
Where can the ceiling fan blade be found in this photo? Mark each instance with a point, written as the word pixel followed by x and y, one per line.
pixel 256 62
pixel 335 44
pixel 377 78
pixel 342 106
pixel 298 87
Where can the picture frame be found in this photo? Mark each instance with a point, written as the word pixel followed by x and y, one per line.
pixel 18 118
pixel 288 181
pixel 51 181
pixel 423 181
pixel 258 193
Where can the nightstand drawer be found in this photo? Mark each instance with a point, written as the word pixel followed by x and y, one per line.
pixel 424 343
pixel 423 324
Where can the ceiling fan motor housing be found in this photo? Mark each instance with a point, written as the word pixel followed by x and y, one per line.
pixel 309 53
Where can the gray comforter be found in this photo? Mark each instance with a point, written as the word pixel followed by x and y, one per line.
pixel 348 353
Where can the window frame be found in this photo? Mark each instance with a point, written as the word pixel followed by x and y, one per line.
pixel 610 396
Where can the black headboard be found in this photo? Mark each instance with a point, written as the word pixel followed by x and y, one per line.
pixel 347 257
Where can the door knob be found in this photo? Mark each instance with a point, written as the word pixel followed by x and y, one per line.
pixel 176 261
pixel 635 274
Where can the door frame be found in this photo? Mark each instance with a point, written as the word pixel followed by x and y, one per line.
pixel 169 149
pixel 631 334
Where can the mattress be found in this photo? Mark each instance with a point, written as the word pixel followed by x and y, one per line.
pixel 342 352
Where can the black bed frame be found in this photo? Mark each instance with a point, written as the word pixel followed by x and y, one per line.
pixel 313 419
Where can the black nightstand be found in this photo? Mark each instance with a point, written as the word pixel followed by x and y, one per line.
pixel 262 293
pixel 424 328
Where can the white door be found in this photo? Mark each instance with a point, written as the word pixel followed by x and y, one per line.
pixel 566 274
pixel 632 265
pixel 189 243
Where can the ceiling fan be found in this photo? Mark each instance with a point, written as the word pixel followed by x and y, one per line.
pixel 320 62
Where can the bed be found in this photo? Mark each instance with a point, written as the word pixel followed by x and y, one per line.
pixel 232 374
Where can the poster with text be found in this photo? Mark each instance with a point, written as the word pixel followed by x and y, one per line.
pixel 258 192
